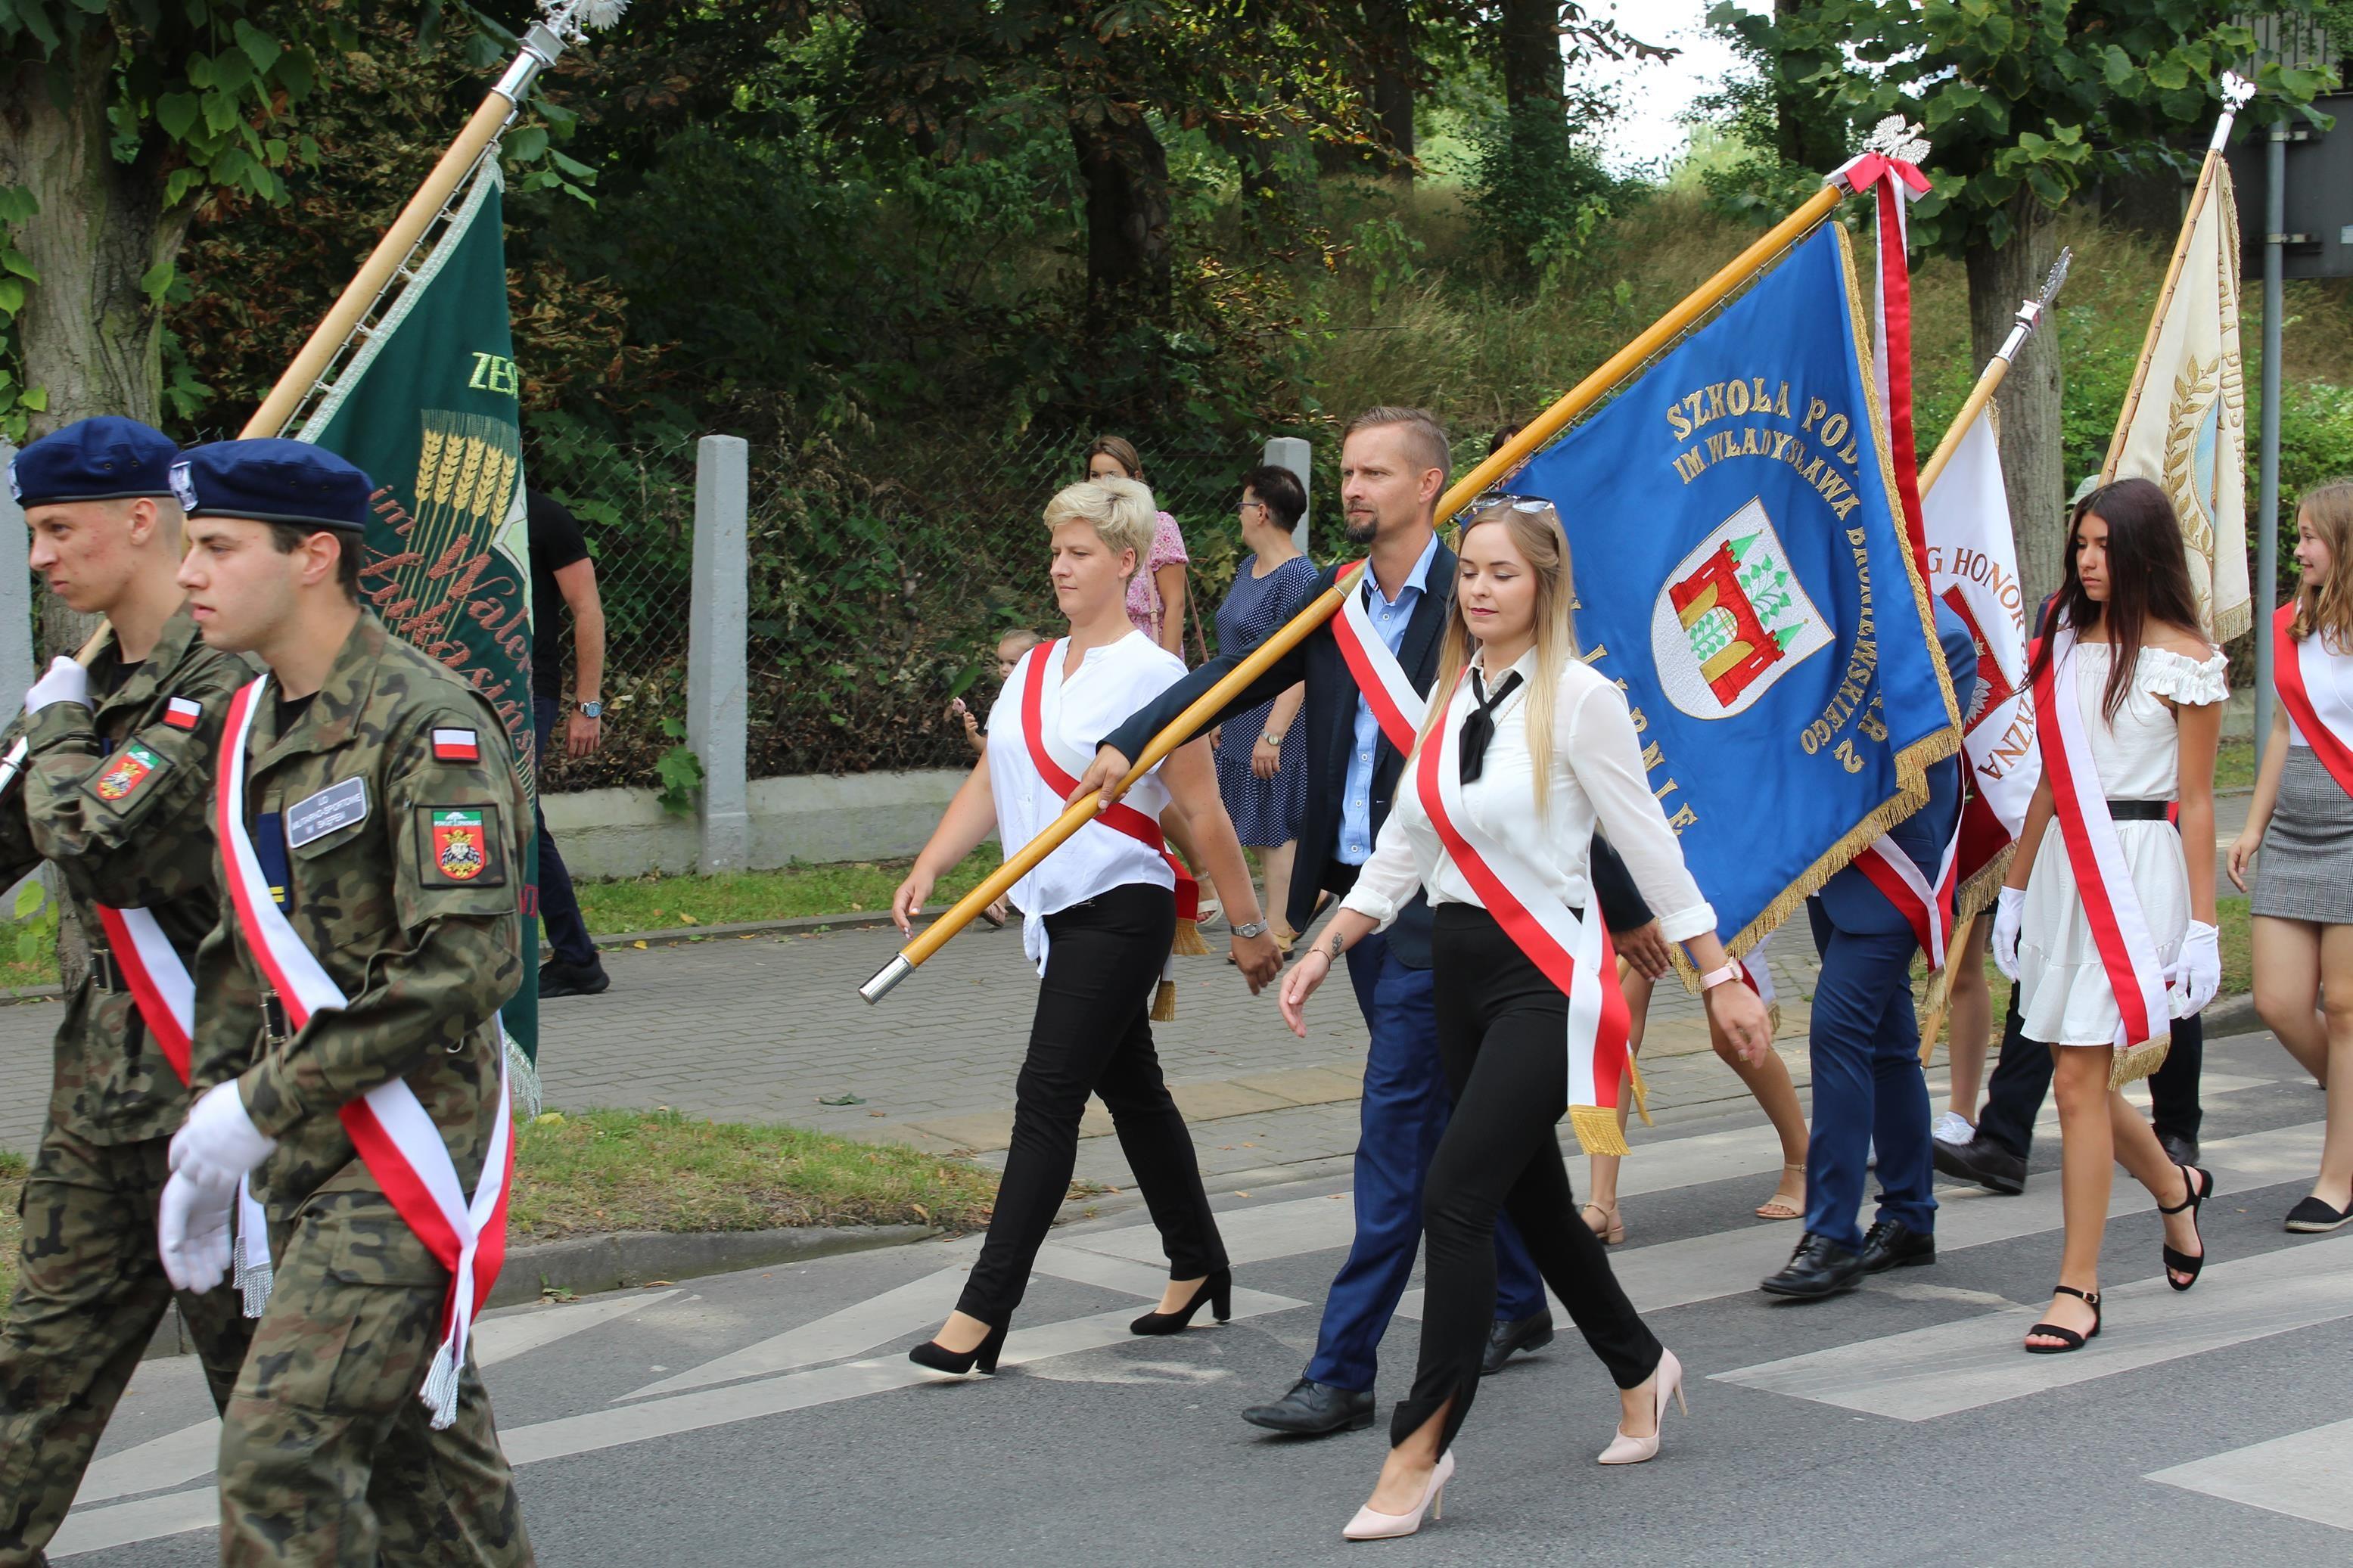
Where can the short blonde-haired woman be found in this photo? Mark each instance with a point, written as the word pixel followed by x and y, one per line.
pixel 1545 750
pixel 2302 821
pixel 1098 917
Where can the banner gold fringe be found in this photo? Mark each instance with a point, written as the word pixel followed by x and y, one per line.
pixel 2138 1063
pixel 1641 1091
pixel 1188 942
pixel 1596 1129
pixel 1163 1003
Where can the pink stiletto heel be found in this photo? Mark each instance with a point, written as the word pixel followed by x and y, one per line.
pixel 1668 1380
pixel 1369 1525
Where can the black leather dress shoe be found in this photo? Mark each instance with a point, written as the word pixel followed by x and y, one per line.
pixel 1311 1409
pixel 1820 1268
pixel 1509 1335
pixel 1982 1161
pixel 1891 1244
pixel 2180 1149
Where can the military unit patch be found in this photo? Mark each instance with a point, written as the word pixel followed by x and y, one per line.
pixel 182 714
pixel 128 771
pixel 459 851
pixel 455 746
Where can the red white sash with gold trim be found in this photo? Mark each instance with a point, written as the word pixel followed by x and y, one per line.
pixel 397 1138
pixel 1929 909
pixel 2313 697
pixel 1574 953
pixel 1395 706
pixel 2103 878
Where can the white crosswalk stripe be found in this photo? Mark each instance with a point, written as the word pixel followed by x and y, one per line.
pixel 2302 1475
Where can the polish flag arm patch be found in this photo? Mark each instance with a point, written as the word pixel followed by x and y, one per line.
pixel 182 714
pixel 456 746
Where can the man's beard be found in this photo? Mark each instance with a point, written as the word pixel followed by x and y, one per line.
pixel 1362 531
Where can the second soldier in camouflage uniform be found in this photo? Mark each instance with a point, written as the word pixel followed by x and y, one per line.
pixel 384 806
pixel 113 792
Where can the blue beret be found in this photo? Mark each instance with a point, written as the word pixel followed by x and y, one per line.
pixel 273 480
pixel 106 458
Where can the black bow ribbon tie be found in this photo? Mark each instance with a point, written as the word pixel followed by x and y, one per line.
pixel 1480 727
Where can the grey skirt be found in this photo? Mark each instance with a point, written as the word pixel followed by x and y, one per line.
pixel 2306 869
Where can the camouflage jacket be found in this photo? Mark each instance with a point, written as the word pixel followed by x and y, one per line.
pixel 391 811
pixel 117 798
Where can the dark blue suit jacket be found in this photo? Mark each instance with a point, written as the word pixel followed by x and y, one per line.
pixel 1849 899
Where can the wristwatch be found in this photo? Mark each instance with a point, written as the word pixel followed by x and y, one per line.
pixel 1251 931
pixel 1271 740
pixel 1715 977
pixel 590 709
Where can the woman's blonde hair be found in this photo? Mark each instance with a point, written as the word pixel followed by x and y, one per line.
pixel 2328 608
pixel 1535 533
pixel 1120 510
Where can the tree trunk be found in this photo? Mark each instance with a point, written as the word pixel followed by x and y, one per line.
pixel 2033 457
pixel 1126 174
pixel 1394 71
pixel 1529 34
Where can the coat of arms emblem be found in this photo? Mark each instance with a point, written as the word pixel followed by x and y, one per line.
pixel 1732 619
pixel 457 848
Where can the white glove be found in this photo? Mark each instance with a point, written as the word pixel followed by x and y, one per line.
pixel 220 1144
pixel 192 1232
pixel 2008 912
pixel 67 681
pixel 2198 970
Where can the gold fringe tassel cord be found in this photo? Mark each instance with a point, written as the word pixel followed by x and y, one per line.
pixel 2134 1064
pixel 1163 1002
pixel 1188 942
pixel 1641 1091
pixel 1596 1129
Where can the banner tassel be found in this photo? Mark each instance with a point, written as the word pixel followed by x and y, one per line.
pixel 1596 1129
pixel 1190 942
pixel 2134 1064
pixel 1641 1091
pixel 524 1076
pixel 441 1391
pixel 1163 1003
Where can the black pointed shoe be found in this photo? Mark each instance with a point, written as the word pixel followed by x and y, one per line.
pixel 1820 1268
pixel 1508 1335
pixel 1311 1409
pixel 1982 1161
pixel 1891 1244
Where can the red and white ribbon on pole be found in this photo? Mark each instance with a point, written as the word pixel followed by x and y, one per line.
pixel 2102 878
pixel 2310 689
pixel 396 1137
pixel 1897 184
pixel 166 994
pixel 1395 706
pixel 1574 953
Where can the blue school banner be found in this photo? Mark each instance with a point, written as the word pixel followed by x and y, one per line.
pixel 1741 575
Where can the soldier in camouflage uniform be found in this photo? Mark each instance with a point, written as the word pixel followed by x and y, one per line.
pixel 114 790
pixel 384 810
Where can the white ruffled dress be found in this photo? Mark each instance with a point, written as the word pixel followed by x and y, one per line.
pixel 2063 990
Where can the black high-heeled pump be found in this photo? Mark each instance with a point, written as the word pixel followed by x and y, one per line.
pixel 1218 1290
pixel 2181 1262
pixel 981 1357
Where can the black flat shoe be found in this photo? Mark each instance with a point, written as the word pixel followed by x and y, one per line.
pixel 557 978
pixel 2075 1342
pixel 2313 1218
pixel 1217 1289
pixel 1507 1336
pixel 1982 1161
pixel 1891 1244
pixel 1818 1268
pixel 2182 1262
pixel 981 1358
pixel 1312 1409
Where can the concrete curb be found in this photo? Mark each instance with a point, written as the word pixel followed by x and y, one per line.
pixel 678 935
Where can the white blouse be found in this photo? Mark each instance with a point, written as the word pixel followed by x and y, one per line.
pixel 2336 670
pixel 1597 773
pixel 1111 682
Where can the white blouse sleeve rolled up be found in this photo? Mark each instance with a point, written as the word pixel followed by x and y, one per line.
pixel 1595 776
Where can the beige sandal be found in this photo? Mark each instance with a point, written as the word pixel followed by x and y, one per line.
pixel 1612 1228
pixel 1779 1207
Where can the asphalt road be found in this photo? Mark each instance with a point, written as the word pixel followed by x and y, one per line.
pixel 771 1416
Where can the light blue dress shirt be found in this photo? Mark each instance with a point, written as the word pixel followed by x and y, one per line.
pixel 1390 618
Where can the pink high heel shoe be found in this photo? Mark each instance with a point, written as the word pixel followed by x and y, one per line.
pixel 1370 1526
pixel 1668 1379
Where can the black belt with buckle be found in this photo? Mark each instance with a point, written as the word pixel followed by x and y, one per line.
pixel 2139 810
pixel 105 971
pixel 274 1030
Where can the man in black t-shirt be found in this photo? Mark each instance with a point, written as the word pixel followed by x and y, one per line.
pixel 562 576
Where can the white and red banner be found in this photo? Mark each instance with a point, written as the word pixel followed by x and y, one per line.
pixel 2094 853
pixel 1973 569
pixel 1575 955
pixel 2313 683
pixel 399 1140
pixel 1396 707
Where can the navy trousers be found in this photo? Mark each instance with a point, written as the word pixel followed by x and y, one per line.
pixel 1404 1111
pixel 1867 1082
pixel 559 907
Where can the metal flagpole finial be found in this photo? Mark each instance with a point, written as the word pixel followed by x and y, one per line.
pixel 2057 278
pixel 2236 90
pixel 1897 138
pixel 2030 311
pixel 573 20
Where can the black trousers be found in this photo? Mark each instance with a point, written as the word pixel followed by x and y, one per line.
pixel 1093 1034
pixel 2014 1094
pixel 1503 1031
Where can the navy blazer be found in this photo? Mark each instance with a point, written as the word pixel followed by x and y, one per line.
pixel 1329 719
pixel 1849 899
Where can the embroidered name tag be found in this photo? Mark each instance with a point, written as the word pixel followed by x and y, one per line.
pixel 337 805
pixel 127 773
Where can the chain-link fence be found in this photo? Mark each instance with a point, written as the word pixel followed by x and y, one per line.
pixel 882 576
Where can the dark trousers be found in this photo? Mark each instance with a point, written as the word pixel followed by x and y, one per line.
pixel 1404 1111
pixel 1093 1034
pixel 2023 1077
pixel 1502 1037
pixel 1864 1045
pixel 559 909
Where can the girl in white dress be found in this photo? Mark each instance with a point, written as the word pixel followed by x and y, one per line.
pixel 2149 688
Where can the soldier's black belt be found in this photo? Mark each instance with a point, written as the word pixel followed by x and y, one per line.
pixel 2139 810
pixel 105 971
pixel 274 1029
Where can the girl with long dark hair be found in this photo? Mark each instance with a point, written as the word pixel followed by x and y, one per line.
pixel 2095 920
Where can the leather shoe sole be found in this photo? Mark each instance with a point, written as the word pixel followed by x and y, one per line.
pixel 1879 1262
pixel 1814 1289
pixel 1264 1415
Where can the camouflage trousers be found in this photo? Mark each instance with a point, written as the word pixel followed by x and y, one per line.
pixel 89 1293
pixel 327 1453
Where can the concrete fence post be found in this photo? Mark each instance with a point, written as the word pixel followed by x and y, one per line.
pixel 1291 452
pixel 716 695
pixel 15 617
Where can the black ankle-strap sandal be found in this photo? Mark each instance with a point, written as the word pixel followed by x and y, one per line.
pixel 2075 1342
pixel 2200 1182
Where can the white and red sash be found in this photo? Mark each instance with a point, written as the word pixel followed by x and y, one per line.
pixel 1928 909
pixel 2094 853
pixel 166 994
pixel 1395 706
pixel 1574 953
pixel 2313 696
pixel 397 1140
